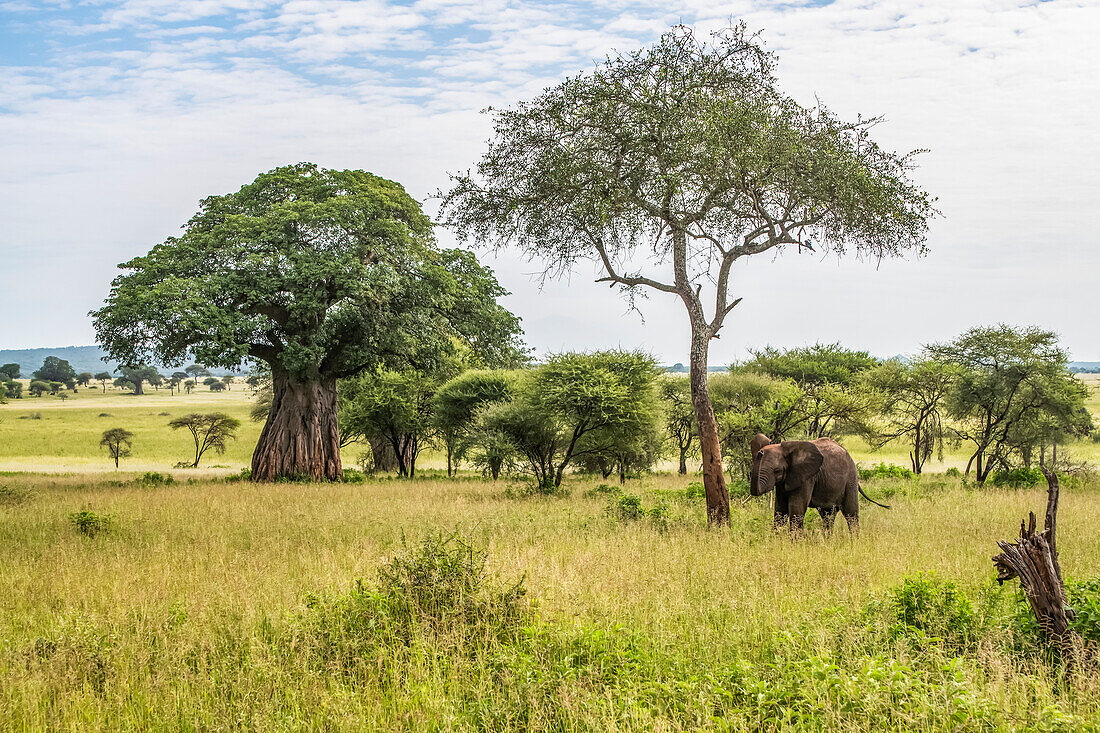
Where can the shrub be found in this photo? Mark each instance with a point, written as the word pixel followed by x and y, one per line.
pixel 953 472
pixel 883 470
pixel 604 490
pixel 438 592
pixel 695 490
pixel 104 414
pixel 354 476
pixel 1083 597
pixel 90 524
pixel 152 479
pixel 13 495
pixel 629 508
pixel 925 605
pixel 1017 478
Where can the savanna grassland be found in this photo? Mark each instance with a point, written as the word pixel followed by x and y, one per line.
pixel 209 603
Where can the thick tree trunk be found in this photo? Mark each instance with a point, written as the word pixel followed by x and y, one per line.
pixel 301 438
pixel 382 452
pixel 714 479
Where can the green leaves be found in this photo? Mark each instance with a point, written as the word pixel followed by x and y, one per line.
pixel 318 272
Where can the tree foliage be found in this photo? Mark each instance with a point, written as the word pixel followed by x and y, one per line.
pixel 318 273
pixel 54 369
pixel 914 397
pixel 212 430
pixel 118 442
pixel 1014 391
pixel 576 405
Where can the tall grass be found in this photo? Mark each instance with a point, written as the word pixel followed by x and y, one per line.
pixel 419 605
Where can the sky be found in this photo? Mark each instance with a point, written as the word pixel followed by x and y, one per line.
pixel 117 116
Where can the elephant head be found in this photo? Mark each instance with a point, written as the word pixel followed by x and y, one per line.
pixel 755 445
pixel 791 463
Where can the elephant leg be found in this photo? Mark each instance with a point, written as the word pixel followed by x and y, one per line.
pixel 828 514
pixel 796 507
pixel 782 515
pixel 850 508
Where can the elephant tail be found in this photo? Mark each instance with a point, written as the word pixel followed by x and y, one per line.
pixel 884 506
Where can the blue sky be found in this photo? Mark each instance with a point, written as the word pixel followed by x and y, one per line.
pixel 117 116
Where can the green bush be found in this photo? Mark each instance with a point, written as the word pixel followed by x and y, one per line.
pixel 695 490
pixel 1017 478
pixel 354 476
pixel 883 470
pixel 438 592
pixel 953 472
pixel 1083 597
pixel 153 479
pixel 90 524
pixel 925 605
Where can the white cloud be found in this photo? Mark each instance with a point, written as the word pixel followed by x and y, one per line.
pixel 150 104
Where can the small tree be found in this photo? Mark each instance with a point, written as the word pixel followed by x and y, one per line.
pixel 14 389
pixel 218 387
pixel 679 415
pixel 211 381
pixel 747 403
pixel 573 406
pixel 394 405
pixel 38 387
pixel 456 406
pixel 9 372
pixel 683 158
pixel 196 370
pixel 134 377
pixel 1013 390
pixel 211 430
pixel 914 405
pixel 118 442
pixel 84 379
pixel 227 380
pixel 54 369
pixel 189 385
pixel 836 398
pixel 103 378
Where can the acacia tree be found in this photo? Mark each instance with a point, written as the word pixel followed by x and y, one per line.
pixel 319 274
pixel 914 397
pixel 211 430
pixel 1013 390
pixel 679 417
pixel 118 442
pixel 686 157
pixel 103 378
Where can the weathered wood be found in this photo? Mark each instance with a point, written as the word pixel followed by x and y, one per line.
pixel 1033 558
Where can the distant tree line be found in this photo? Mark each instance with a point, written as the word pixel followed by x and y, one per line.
pixel 1006 394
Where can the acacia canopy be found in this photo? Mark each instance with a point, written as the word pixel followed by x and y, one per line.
pixel 668 164
pixel 318 273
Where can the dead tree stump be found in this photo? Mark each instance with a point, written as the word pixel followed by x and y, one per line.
pixel 1033 558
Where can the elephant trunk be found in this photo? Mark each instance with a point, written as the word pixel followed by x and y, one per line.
pixel 762 481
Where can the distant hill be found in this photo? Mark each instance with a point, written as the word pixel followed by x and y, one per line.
pixel 83 359
pixel 1085 367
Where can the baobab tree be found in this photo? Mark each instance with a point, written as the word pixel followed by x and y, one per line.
pixel 316 273
pixel 669 164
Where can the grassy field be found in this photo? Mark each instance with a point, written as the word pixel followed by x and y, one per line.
pixel 212 604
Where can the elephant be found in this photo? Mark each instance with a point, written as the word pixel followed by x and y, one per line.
pixel 816 474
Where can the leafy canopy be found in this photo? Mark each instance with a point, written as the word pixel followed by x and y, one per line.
pixel 685 153
pixel 317 272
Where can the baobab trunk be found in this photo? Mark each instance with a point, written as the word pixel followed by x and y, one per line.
pixel 714 479
pixel 301 438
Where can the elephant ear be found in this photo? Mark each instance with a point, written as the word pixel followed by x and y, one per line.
pixel 758 441
pixel 803 461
